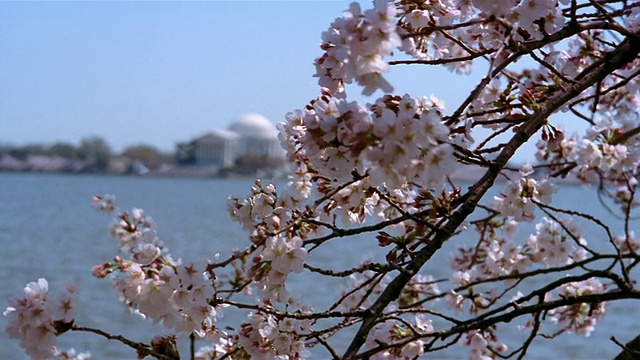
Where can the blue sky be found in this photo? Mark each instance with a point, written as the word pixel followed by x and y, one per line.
pixel 163 72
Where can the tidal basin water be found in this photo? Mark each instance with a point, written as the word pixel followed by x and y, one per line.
pixel 48 229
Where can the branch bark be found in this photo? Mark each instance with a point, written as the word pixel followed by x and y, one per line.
pixel 631 350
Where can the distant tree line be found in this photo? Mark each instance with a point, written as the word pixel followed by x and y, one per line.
pixel 186 153
pixel 93 153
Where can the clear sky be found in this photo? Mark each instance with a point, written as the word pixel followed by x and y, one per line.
pixel 163 72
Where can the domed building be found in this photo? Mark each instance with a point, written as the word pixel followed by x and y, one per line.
pixel 258 137
pixel 250 143
pixel 216 148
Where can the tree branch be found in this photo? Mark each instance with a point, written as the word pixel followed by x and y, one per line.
pixel 625 53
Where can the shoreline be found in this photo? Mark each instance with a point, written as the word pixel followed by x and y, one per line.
pixel 467 174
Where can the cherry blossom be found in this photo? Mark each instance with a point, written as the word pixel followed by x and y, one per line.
pixel 36 318
pixel 383 170
pixel 580 318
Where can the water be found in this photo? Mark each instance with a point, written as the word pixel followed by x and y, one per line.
pixel 47 229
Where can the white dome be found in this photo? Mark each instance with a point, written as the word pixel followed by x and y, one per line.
pixel 255 126
pixel 224 134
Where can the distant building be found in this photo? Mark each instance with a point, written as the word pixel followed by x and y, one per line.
pixel 251 142
pixel 216 148
pixel 258 137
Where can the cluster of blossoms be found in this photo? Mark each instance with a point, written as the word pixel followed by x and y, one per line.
pixel 518 198
pixel 605 151
pixel 398 140
pixel 537 18
pixel 490 94
pixel 423 44
pixel 277 255
pixel 177 295
pixel 609 151
pixel 135 232
pixel 529 19
pixel 580 318
pixel 557 152
pixel 424 22
pixel 627 244
pixel 555 243
pixel 395 331
pixel 71 354
pixel 272 266
pixel 355 46
pixel 412 143
pixel 481 345
pixel 265 337
pixel 36 318
pixel 262 209
pixel 268 214
pixel 152 284
pixel 222 347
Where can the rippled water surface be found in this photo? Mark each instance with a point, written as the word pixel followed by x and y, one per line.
pixel 48 229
